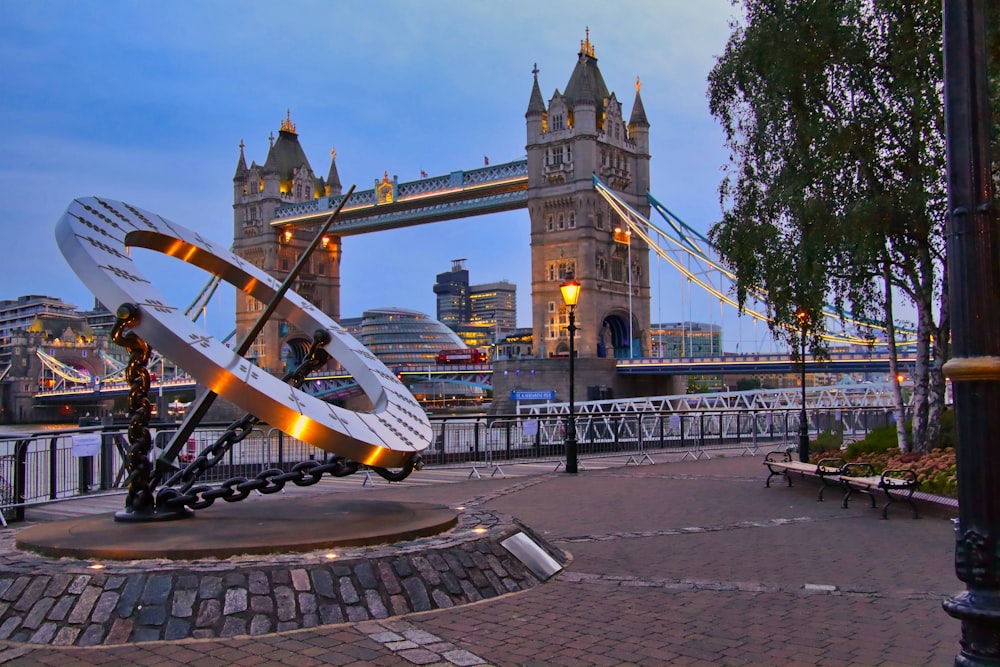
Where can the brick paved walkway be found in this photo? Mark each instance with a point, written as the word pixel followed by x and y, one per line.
pixel 677 563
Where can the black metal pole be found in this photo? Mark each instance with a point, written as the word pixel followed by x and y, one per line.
pixel 974 291
pixel 803 417
pixel 571 465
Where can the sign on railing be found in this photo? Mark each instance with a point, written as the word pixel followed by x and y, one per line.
pixel 535 395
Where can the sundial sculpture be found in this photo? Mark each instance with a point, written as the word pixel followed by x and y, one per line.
pixel 95 235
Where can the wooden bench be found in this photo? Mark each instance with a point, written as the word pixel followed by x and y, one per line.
pixel 861 478
pixel 780 463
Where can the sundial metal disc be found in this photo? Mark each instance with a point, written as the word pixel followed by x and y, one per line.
pixel 94 236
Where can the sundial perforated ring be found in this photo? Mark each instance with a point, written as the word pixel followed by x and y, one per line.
pixel 94 236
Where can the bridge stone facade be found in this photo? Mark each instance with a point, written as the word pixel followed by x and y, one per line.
pixel 580 133
pixel 258 190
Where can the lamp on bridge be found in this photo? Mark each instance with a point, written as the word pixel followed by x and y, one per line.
pixel 571 294
pixel 803 318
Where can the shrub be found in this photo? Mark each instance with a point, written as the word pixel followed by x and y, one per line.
pixel 877 441
pixel 828 441
pixel 948 428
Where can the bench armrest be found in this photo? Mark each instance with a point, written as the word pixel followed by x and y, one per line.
pixel 831 466
pixel 898 478
pixel 858 469
pixel 777 456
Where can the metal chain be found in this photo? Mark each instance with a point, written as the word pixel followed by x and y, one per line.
pixel 139 497
pixel 235 489
pixel 269 481
pixel 211 455
pixel 416 462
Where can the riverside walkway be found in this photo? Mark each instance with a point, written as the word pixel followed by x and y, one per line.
pixel 681 562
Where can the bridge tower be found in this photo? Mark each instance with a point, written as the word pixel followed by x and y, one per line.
pixel 582 132
pixel 285 177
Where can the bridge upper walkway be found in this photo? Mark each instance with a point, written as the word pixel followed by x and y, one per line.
pixel 460 194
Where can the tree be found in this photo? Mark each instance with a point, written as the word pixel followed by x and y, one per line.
pixel 835 188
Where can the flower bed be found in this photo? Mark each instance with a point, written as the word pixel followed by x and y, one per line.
pixel 935 470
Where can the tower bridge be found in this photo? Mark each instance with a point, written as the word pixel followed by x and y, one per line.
pixel 577 133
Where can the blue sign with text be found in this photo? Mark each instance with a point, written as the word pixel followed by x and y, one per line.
pixel 537 395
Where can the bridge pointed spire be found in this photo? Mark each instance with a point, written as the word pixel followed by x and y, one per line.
pixel 333 185
pixel 638 118
pixel 241 164
pixel 536 104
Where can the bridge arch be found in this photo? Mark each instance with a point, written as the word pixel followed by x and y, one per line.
pixel 616 337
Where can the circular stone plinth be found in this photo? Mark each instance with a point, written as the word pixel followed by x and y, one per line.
pixel 291 525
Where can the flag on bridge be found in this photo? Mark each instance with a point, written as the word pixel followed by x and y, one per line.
pixel 423 174
pixel 486 161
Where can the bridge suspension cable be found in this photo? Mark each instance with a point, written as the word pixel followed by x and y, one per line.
pixel 203 297
pixel 64 371
pixel 683 244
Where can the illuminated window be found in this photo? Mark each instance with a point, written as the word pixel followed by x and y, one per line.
pixel 561 269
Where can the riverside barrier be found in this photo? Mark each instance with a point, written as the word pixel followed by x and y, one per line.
pixel 51 465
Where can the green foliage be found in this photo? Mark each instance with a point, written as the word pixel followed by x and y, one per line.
pixel 833 114
pixel 878 441
pixel 829 440
pixel 948 428
pixel 746 384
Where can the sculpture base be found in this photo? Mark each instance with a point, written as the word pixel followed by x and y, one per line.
pixel 294 525
pixel 165 594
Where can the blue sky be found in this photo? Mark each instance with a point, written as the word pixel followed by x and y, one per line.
pixel 147 102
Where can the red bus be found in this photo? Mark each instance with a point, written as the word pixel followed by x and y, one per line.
pixel 464 355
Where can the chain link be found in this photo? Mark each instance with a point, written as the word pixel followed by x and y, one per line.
pixel 266 482
pixel 181 489
pixel 140 496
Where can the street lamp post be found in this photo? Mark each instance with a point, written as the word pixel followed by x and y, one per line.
pixel 571 294
pixel 973 238
pixel 627 236
pixel 803 417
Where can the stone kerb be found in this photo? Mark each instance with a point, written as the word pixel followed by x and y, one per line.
pixel 66 602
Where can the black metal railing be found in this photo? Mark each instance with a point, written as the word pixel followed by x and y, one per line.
pixel 44 466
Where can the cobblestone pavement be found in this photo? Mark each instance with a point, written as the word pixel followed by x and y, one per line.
pixel 691 562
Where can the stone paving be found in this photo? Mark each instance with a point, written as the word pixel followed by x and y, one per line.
pixel 66 602
pixel 691 562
